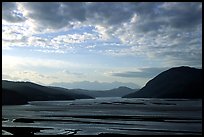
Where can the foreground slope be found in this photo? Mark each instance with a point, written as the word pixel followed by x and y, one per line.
pixel 10 97
pixel 178 82
pixel 21 92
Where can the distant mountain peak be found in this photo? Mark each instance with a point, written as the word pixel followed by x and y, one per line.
pixel 123 87
pixel 95 85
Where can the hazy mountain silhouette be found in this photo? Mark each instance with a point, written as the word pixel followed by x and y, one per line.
pixel 27 91
pixel 116 92
pixel 94 85
pixel 178 82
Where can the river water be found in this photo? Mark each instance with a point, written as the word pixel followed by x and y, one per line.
pixel 143 116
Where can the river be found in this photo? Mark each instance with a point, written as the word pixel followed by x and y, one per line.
pixel 113 115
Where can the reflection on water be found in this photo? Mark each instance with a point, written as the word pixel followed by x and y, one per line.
pixel 107 116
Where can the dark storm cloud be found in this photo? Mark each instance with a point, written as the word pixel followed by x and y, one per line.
pixel 183 15
pixel 111 13
pixel 55 15
pixel 178 16
pixel 150 15
pixel 144 73
pixel 9 12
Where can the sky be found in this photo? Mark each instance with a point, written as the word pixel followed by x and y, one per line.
pixel 66 42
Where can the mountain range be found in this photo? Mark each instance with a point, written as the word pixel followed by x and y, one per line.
pixel 177 82
pixel 15 93
pixel 22 92
pixel 95 85
pixel 116 92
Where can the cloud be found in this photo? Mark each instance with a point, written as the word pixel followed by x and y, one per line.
pixel 164 31
pixel 11 13
pixel 53 15
pixel 74 38
pixel 15 36
pixel 142 72
pixel 183 15
pixel 32 76
pixel 8 77
pixel 76 74
pixel 107 13
pixel 13 62
pixel 148 16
